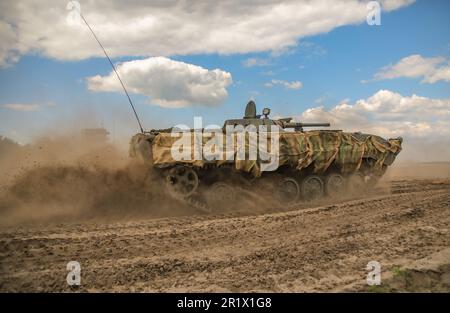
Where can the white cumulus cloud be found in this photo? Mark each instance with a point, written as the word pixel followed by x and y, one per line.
pixel 388 114
pixel 170 27
pixel 167 83
pixel 430 70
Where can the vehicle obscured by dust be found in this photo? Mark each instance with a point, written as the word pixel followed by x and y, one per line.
pixel 71 179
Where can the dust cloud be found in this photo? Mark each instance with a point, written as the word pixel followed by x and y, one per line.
pixel 69 178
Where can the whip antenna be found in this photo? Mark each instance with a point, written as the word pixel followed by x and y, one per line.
pixel 115 71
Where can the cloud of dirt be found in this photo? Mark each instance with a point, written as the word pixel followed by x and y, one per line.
pixel 69 178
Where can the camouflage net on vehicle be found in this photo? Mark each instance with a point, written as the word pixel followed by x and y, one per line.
pixel 319 149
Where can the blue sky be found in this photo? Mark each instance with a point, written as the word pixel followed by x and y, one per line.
pixel 330 65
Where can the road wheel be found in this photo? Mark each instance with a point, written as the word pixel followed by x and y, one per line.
pixel 312 188
pixel 288 190
pixel 334 185
pixel 220 197
pixel 182 181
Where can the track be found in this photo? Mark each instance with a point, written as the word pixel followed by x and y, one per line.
pixel 318 248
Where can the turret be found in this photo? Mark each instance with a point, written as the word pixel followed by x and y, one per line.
pixel 251 118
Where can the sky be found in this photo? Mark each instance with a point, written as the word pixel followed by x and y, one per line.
pixel 316 61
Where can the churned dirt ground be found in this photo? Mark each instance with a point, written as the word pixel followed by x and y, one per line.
pixel 404 225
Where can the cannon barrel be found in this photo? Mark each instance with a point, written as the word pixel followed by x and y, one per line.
pixel 301 125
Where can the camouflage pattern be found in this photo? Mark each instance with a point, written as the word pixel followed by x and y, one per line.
pixel 299 150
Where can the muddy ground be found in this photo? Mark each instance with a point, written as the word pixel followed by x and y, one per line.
pixel 404 225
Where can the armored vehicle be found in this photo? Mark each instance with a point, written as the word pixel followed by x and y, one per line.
pixel 295 164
